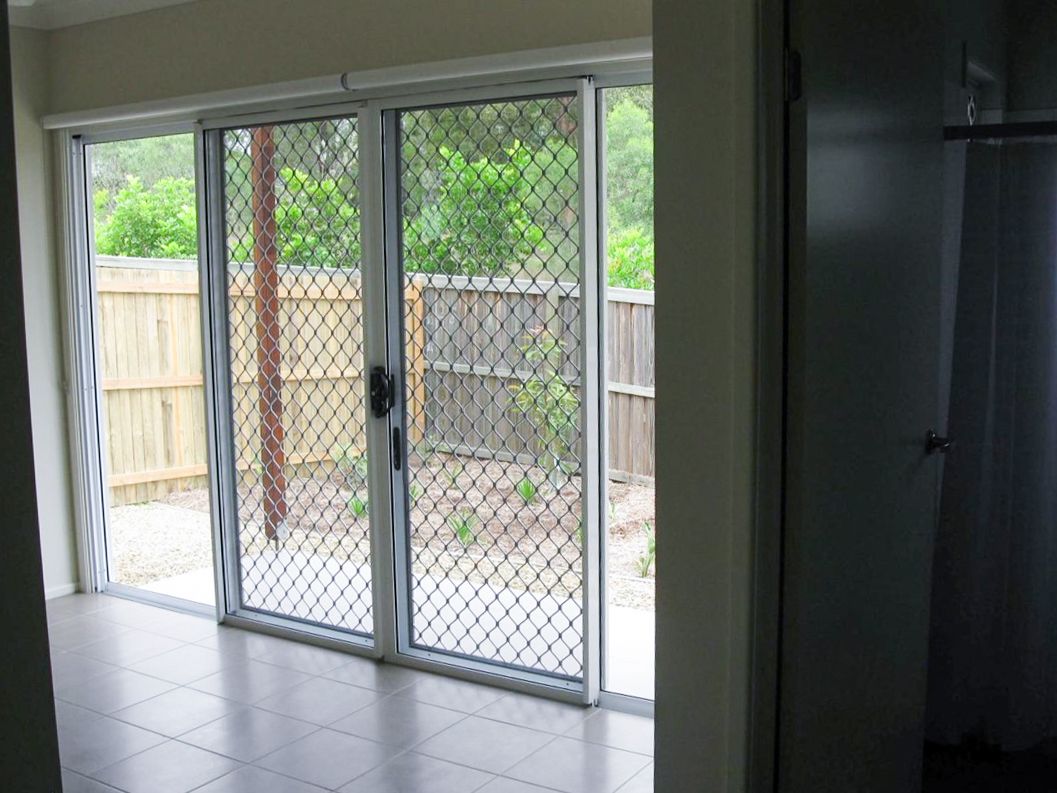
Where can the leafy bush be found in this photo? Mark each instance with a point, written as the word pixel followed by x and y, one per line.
pixel 630 255
pixel 317 223
pixel 159 222
pixel 474 220
pixel 547 400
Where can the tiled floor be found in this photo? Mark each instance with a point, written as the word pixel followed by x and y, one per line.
pixel 151 701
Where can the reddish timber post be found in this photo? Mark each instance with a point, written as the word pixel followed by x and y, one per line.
pixel 269 356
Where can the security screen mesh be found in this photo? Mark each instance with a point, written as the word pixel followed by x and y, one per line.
pixel 295 318
pixel 490 253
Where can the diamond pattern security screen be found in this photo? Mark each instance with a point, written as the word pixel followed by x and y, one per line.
pixel 490 251
pixel 297 376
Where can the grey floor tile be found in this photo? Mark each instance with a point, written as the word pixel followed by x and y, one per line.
pixel 130 613
pixel 328 759
pixel 185 627
pixel 249 681
pixel 129 647
pixel 575 766
pixel 88 744
pixel 320 701
pixel 486 745
pixel 75 783
pixel 74 633
pixel 504 785
pixel 418 773
pixel 642 782
pixel 397 721
pixel 172 767
pixel 114 691
pixel 74 605
pixel 303 657
pixel 619 730
pixel 535 712
pixel 176 712
pixel 240 643
pixel 68 669
pixel 454 694
pixel 366 673
pixel 183 665
pixel 250 779
pixel 248 734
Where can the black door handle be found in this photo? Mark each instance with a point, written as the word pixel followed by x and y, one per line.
pixel 934 443
pixel 383 392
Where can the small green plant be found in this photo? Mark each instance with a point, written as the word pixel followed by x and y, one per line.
pixel 413 495
pixel 645 562
pixel 453 471
pixel 350 464
pixel 463 523
pixel 527 489
pixel 358 506
pixel 612 512
pixel 580 534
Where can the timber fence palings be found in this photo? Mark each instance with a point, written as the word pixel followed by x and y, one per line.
pixel 467 337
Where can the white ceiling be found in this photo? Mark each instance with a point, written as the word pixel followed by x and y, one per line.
pixel 51 14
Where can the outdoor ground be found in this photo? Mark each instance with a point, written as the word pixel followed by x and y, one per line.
pixel 506 539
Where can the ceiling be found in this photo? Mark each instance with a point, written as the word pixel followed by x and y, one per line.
pixel 51 14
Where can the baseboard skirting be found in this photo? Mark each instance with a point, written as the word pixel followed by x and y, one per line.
pixel 60 591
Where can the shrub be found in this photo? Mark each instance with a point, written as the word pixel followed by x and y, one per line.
pixel 473 219
pixel 547 400
pixel 630 259
pixel 159 222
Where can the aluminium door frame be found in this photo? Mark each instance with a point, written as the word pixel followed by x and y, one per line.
pixel 87 423
pixel 218 365
pixel 592 337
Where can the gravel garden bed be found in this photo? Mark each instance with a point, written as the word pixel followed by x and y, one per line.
pixel 469 522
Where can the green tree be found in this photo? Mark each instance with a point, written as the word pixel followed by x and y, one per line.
pixel 473 220
pixel 159 222
pixel 317 223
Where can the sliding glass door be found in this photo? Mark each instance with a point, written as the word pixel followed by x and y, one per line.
pixel 406 304
pixel 490 547
pixel 295 379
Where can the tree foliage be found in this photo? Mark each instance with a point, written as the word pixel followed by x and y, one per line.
pixel 629 187
pixel 475 219
pixel 158 222
pixel 316 224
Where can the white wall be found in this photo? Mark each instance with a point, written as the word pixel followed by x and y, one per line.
pixel 40 276
pixel 220 44
pixel 706 148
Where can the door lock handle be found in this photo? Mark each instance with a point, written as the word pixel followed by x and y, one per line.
pixel 934 443
pixel 383 392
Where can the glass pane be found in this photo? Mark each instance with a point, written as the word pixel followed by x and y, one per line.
pixel 149 356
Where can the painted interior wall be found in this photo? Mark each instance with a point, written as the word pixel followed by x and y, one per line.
pixel 40 276
pixel 221 44
pixel 1033 61
pixel 29 752
pixel 706 233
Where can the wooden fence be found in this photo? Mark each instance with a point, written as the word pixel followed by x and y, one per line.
pixel 464 335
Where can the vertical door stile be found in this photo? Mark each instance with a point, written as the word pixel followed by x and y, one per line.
pixel 383 486
pixel 215 367
pixel 593 408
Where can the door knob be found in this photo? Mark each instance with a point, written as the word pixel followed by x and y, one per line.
pixel 934 443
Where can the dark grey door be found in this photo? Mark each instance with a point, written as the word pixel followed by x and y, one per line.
pixel 866 198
